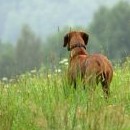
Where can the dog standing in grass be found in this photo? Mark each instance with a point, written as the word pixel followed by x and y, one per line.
pixel 92 68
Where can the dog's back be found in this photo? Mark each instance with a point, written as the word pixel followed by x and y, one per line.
pixel 89 65
pixel 99 66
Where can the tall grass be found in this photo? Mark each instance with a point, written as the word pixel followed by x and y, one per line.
pixel 41 102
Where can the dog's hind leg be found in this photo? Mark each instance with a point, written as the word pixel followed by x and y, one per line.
pixel 74 83
pixel 105 86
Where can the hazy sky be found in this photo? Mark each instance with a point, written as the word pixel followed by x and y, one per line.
pixel 44 16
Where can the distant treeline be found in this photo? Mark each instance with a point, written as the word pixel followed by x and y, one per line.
pixel 109 34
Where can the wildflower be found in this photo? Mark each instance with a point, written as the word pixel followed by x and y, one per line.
pixel 33 71
pixel 12 80
pixel 49 75
pixel 58 70
pixel 5 79
pixel 63 61
pixel 66 63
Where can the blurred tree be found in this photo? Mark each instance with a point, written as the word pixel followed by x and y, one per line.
pixel 7 62
pixel 53 49
pixel 28 50
pixel 111 29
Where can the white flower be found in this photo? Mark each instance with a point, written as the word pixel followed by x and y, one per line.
pixel 66 63
pixel 5 79
pixel 49 75
pixel 63 61
pixel 33 71
pixel 58 70
pixel 12 80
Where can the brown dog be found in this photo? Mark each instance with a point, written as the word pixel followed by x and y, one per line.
pixel 92 68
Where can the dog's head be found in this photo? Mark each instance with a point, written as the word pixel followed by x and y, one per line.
pixel 73 38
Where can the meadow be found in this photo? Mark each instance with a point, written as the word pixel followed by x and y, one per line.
pixel 44 101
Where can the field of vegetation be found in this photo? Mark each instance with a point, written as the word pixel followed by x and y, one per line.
pixel 44 101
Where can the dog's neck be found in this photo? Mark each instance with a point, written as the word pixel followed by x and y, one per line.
pixel 78 51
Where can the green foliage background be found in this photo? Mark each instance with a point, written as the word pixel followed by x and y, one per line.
pixel 109 34
pixel 111 29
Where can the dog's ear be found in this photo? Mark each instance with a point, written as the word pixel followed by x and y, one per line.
pixel 85 37
pixel 66 39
